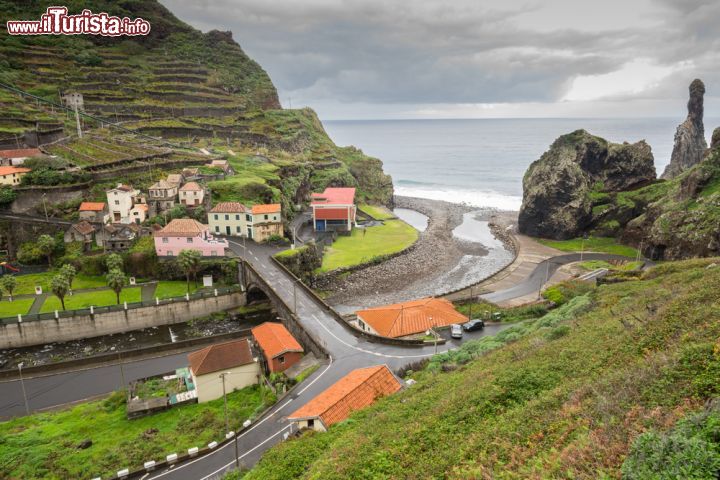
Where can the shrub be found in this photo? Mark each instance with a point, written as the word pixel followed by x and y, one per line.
pixel 557 332
pixel 7 195
pixel 562 292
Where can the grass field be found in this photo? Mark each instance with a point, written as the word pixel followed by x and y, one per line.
pixel 98 298
pixel 9 309
pixel 595 264
pixel 364 245
pixel 26 283
pixel 173 288
pixel 43 445
pixel 377 212
pixel 592 244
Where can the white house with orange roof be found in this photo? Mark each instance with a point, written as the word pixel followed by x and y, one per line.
pixel 188 234
pixel 120 202
pixel 409 318
pixel 192 194
pixel 334 210
pixel 266 222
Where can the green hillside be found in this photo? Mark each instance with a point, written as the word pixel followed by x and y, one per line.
pixel 187 88
pixel 596 388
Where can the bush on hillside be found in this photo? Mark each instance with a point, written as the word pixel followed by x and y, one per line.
pixel 563 292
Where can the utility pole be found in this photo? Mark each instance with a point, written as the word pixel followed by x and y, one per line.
pixel 77 120
pixel 122 371
pixel 227 425
pixel 22 385
pixel 472 299
pixel 435 335
pixel 295 296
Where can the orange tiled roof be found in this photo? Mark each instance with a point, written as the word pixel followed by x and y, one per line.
pixel 221 356
pixel 21 153
pixel 182 227
pixel 92 207
pixel 267 208
pixel 141 206
pixel 190 186
pixel 10 170
pixel 354 391
pixel 229 207
pixel 401 319
pixel 334 196
pixel 274 339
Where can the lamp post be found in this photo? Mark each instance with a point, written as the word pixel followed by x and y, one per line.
pixel 582 245
pixel 22 385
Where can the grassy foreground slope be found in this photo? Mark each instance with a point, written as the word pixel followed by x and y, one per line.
pixel 563 396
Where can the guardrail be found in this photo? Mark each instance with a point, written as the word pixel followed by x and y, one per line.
pixel 57 314
pixel 340 319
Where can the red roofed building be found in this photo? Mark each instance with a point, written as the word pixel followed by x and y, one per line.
pixel 334 209
pixel 279 347
pixel 187 234
pixel 17 157
pixel 12 175
pixel 356 390
pixel 234 358
pixel 409 318
pixel 266 222
pixel 93 212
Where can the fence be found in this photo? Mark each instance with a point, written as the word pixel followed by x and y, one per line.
pixel 116 308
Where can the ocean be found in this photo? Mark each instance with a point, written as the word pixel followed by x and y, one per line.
pixel 481 162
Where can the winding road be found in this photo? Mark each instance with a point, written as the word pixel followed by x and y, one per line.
pixel 347 352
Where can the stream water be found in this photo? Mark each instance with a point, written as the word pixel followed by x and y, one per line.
pixel 413 218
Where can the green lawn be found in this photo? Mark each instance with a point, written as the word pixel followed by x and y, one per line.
pixel 173 288
pixel 43 445
pixel 98 298
pixel 377 212
pixel 26 283
pixel 366 244
pixel 592 244
pixel 9 309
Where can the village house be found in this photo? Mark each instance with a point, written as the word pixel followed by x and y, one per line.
pixel 94 212
pixel 266 222
pixel 83 232
pixel 229 218
pixel 223 165
pixel 175 179
pixel 18 157
pixel 12 175
pixel 120 202
pixel 162 194
pixel 334 209
pixel 356 390
pixel 118 237
pixel 139 213
pixel 409 318
pixel 190 174
pixel 234 359
pixel 192 194
pixel 279 348
pixel 188 234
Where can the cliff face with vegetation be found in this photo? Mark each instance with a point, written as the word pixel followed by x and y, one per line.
pixel 613 383
pixel 188 88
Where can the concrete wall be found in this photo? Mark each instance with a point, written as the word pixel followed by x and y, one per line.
pixel 39 332
pixel 210 386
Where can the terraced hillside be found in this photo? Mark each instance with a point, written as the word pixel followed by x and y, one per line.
pixel 190 88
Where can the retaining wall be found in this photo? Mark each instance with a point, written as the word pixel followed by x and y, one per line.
pixel 39 332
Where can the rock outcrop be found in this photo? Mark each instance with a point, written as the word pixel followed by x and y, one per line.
pixel 559 188
pixel 690 144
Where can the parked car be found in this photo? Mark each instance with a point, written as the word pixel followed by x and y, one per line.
pixel 473 325
pixel 456 331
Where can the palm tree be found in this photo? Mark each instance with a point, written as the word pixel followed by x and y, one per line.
pixel 114 262
pixel 189 262
pixel 116 280
pixel 69 272
pixel 60 287
pixel 46 245
pixel 8 282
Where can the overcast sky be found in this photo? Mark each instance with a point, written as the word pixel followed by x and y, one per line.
pixel 359 59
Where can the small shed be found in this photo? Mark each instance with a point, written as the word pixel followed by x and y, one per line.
pixel 279 348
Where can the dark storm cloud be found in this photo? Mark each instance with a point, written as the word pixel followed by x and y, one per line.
pixel 452 51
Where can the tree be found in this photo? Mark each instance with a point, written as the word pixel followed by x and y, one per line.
pixel 60 287
pixel 116 280
pixel 69 272
pixel 114 262
pixel 46 245
pixel 8 283
pixel 189 262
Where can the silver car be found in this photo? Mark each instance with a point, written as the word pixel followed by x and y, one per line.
pixel 456 331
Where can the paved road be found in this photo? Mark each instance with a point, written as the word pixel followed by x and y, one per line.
pixel 347 353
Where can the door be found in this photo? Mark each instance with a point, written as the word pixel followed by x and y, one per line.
pixel 320 225
pixel 250 235
pixel 227 229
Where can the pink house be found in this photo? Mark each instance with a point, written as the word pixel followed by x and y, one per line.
pixel 188 234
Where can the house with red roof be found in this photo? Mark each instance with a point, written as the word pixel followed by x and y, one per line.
pixel 356 390
pixel 334 209
pixel 234 359
pixel 12 175
pixel 188 234
pixel 18 156
pixel 94 212
pixel 279 348
pixel 266 222
pixel 409 318
pixel 192 194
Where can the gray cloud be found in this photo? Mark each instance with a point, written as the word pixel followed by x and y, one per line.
pixel 446 52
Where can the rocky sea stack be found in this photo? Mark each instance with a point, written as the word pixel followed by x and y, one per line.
pixel 559 188
pixel 690 144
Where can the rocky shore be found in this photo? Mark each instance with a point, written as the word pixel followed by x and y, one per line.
pixel 438 260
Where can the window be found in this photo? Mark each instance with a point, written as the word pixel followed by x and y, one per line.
pixel 311 423
pixel 237 229
pixel 281 359
pixel 248 218
pixel 217 228
pixel 189 240
pixel 266 217
pixel 165 239
pixel 117 202
pixel 217 216
pixel 237 217
pixel 227 217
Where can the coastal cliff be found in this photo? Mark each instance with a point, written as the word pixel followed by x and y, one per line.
pixel 560 187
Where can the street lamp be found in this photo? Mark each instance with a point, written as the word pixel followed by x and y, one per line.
pixel 22 385
pixel 227 427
